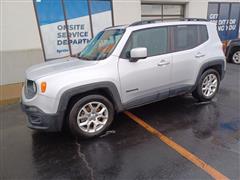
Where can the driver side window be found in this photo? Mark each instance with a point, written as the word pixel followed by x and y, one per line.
pixel 154 39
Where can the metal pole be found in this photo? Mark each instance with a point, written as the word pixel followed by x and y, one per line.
pixel 229 14
pixel 66 24
pixel 39 30
pixel 90 17
pixel 113 23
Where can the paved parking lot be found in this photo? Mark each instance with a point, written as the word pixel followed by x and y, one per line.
pixel 210 131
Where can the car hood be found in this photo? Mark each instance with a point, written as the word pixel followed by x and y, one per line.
pixel 56 66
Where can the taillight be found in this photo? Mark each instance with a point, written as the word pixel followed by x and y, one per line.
pixel 224 46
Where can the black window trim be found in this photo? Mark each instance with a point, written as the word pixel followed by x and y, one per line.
pixel 170 44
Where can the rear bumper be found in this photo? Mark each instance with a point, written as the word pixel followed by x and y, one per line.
pixel 39 120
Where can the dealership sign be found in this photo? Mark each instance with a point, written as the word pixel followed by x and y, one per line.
pixel 66 26
pixel 227 17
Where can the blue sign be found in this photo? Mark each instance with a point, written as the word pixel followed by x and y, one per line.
pixel 227 17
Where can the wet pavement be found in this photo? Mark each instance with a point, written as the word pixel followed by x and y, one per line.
pixel 211 131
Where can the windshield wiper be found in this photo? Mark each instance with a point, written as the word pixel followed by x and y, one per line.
pixel 83 58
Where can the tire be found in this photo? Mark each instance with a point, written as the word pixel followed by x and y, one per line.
pixel 87 117
pixel 235 56
pixel 205 90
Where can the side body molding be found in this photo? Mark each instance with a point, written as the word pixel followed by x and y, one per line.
pixel 108 87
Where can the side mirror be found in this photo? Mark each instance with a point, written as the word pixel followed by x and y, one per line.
pixel 138 53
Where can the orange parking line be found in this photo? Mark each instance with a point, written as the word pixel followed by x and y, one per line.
pixel 181 150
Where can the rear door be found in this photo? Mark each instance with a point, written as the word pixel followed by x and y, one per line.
pixel 188 49
pixel 145 79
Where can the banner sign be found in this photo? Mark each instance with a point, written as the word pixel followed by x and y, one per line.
pixel 66 25
pixel 227 18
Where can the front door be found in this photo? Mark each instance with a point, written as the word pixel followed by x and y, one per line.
pixel 147 79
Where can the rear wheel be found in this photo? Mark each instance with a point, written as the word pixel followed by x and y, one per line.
pixel 235 57
pixel 91 116
pixel 207 86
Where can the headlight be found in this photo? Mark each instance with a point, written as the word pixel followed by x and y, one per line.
pixel 34 86
pixel 30 89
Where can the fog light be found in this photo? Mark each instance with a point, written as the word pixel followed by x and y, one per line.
pixel 32 109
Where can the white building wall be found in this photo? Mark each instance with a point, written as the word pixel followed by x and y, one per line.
pixel 196 9
pixel 19 26
pixel 126 11
pixel 20 41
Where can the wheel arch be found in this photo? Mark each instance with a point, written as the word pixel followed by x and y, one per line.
pixel 234 48
pixel 218 65
pixel 70 96
pixel 232 51
pixel 107 89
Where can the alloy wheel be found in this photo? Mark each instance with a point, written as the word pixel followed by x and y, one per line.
pixel 209 85
pixel 236 57
pixel 92 117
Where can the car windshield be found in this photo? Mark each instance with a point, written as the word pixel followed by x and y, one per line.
pixel 102 45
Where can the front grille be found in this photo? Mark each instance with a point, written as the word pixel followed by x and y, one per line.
pixel 30 89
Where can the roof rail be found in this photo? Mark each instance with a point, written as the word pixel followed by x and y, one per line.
pixel 150 21
pixel 114 26
pixel 194 19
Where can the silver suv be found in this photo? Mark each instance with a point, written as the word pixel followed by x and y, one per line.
pixel 121 68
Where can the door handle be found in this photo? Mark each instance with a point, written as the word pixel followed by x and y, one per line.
pixel 163 63
pixel 199 54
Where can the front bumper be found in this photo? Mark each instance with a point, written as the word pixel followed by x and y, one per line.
pixel 39 120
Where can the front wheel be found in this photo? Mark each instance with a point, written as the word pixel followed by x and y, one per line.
pixel 207 86
pixel 91 116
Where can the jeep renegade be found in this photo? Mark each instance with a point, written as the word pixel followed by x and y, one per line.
pixel 121 68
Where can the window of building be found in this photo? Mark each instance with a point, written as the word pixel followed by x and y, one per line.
pixel 162 11
pixel 66 26
pixel 76 11
pixel 154 39
pixel 101 14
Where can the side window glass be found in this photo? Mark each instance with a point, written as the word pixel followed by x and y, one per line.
pixel 192 35
pixel 185 37
pixel 180 38
pixel 154 39
pixel 203 34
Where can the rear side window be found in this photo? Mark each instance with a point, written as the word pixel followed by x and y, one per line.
pixel 188 36
pixel 154 39
pixel 203 34
pixel 185 37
